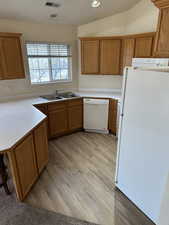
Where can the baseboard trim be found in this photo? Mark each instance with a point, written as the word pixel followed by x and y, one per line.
pixel 96 131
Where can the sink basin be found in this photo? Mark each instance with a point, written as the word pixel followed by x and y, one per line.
pixel 52 97
pixel 65 95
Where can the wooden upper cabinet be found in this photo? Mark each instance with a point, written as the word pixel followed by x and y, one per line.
pixel 143 47
pixel 90 56
pixel 110 57
pixel 128 52
pixel 11 59
pixel 161 43
pixel 161 47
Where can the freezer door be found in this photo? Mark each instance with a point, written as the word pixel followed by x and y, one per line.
pixel 142 166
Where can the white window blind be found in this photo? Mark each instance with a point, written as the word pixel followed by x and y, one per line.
pixel 49 62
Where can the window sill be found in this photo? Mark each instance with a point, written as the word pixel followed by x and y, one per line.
pixel 50 83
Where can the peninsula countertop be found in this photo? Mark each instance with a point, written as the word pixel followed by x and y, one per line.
pixel 17 119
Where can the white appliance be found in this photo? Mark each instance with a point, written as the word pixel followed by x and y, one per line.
pixel 96 115
pixel 142 169
pixel 150 62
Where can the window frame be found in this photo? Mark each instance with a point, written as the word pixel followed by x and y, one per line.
pixel 69 80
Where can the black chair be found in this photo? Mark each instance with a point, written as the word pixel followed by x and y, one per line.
pixel 3 175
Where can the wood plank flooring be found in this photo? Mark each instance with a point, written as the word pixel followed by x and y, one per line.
pixel 79 182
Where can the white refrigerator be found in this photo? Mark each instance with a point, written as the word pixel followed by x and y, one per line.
pixel 142 169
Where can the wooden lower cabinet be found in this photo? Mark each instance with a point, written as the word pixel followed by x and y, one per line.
pixel 41 146
pixel 58 122
pixel 43 108
pixel 65 117
pixel 27 159
pixel 24 166
pixel 75 117
pixel 113 107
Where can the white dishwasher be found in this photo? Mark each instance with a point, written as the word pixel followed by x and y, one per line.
pixel 96 115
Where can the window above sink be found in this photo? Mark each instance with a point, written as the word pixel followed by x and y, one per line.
pixel 49 62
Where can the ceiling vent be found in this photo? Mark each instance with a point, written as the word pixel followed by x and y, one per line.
pixel 53 16
pixel 52 4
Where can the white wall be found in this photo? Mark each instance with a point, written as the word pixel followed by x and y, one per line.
pixel 112 25
pixel 142 18
pixel 164 211
pixel 139 19
pixel 40 32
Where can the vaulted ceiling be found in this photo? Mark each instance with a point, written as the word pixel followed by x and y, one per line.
pixel 70 12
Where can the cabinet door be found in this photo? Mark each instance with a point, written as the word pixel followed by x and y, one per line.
pixel 58 121
pixel 128 52
pixel 26 164
pixel 75 117
pixel 1 62
pixel 143 47
pixel 113 115
pixel 162 43
pixel 41 145
pixel 90 56
pixel 11 60
pixel 110 57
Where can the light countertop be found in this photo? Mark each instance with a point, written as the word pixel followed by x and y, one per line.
pixel 92 94
pixel 19 117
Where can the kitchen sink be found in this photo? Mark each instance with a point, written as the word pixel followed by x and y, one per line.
pixel 64 95
pixel 52 97
pixel 68 95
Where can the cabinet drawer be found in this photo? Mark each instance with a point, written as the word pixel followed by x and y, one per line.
pixel 74 102
pixel 57 105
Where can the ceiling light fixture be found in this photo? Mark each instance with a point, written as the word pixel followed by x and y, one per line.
pixel 96 3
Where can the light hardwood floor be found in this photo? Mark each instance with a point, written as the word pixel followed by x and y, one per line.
pixel 79 182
